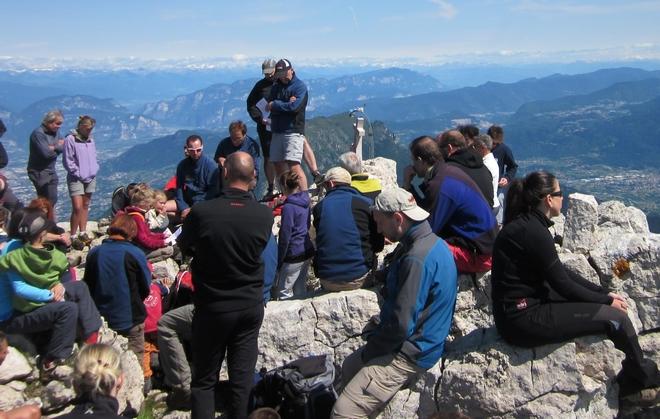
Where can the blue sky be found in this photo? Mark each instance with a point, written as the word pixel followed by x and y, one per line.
pixel 336 29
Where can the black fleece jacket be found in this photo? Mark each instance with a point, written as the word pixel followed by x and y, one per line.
pixel 473 165
pixel 227 236
pixel 526 266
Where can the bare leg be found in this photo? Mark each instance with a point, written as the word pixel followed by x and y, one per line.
pixel 308 156
pixel 296 167
pixel 84 215
pixel 76 213
pixel 269 169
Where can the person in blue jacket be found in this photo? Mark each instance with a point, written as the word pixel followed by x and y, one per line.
pixel 197 176
pixel 346 235
pixel 118 278
pixel 238 140
pixel 420 293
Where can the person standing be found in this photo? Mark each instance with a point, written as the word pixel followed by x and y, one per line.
pixel 81 165
pixel 226 237
pixel 45 146
pixel 287 103
pixel 261 90
pixel 507 165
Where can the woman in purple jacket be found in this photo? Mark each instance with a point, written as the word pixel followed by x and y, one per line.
pixel 81 167
pixel 295 248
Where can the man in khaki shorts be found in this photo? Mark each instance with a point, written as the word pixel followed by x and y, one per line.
pixel 415 317
pixel 287 103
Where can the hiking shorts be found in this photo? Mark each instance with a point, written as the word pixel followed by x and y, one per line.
pixel 287 147
pixel 78 187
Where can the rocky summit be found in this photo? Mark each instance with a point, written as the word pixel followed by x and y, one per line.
pixel 479 375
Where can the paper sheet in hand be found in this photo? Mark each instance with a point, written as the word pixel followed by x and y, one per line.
pixel 172 238
pixel 265 113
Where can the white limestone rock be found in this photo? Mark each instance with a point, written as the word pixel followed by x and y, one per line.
pixel 577 264
pixel 14 367
pixel 56 394
pixel 616 214
pixel 473 305
pixel 581 222
pixel 493 379
pixel 383 169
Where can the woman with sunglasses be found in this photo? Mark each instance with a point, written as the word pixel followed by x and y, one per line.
pixel 535 302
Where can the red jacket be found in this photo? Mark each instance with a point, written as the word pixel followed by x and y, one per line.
pixel 145 238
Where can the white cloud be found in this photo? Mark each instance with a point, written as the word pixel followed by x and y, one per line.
pixel 445 10
pixel 355 22
pixel 580 7
pixel 239 57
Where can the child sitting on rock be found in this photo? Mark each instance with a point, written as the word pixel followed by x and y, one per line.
pixel 157 217
pixel 153 244
pixel 295 248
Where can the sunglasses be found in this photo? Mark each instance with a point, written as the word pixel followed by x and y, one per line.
pixel 557 193
pixel 195 150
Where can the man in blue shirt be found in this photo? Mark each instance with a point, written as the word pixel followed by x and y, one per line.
pixel 238 140
pixel 420 292
pixel 196 176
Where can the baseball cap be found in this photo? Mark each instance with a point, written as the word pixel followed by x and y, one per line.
pixel 32 223
pixel 268 66
pixel 399 200
pixel 282 67
pixel 337 175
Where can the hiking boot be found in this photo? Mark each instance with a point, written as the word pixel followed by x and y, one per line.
pixel 77 243
pixel 178 399
pixel 54 370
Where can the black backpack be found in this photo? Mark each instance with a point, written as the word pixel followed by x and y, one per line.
pixel 302 389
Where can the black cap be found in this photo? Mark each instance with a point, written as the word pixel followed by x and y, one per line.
pixel 282 67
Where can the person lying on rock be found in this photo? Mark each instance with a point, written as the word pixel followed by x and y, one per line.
pixel 97 379
pixel 534 300
pixel 28 411
pixel 38 273
pixel 420 294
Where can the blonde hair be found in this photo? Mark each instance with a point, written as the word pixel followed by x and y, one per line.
pixel 142 197
pixel 159 194
pixel 97 370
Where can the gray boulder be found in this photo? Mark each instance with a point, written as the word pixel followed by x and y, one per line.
pixel 581 222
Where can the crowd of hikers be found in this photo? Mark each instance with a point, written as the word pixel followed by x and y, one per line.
pixel 460 210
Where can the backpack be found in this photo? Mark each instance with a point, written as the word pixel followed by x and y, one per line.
pixel 302 389
pixel 119 199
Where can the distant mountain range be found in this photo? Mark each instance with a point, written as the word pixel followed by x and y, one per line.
pixel 115 127
pixel 219 104
pixel 494 98
pixel 617 125
pixel 607 117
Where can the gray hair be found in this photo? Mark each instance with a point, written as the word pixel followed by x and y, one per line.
pixel 483 141
pixel 51 116
pixel 351 162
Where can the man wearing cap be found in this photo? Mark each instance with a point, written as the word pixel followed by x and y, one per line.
pixel 261 90
pixel 287 103
pixel 346 235
pixel 420 292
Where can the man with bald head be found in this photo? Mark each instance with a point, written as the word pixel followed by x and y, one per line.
pixel 227 236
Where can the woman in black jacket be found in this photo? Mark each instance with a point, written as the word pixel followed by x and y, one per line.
pixel 97 378
pixel 535 302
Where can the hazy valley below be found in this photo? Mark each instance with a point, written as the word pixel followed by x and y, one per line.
pixel 597 131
